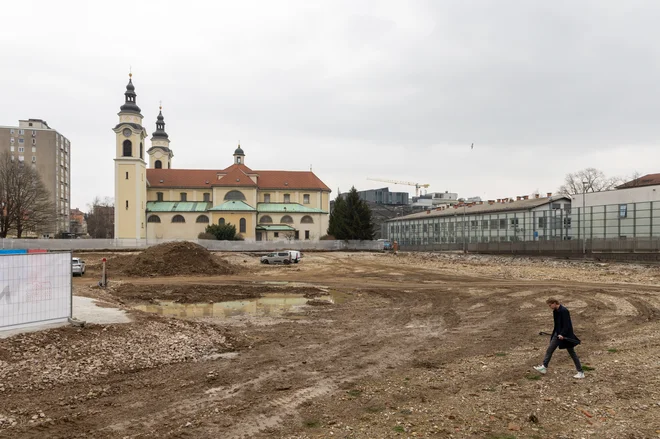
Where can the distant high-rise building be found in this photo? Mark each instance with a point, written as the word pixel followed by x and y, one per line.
pixel 34 142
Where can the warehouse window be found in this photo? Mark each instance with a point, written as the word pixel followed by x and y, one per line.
pixel 623 210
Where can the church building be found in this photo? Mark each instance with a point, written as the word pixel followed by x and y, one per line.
pixel 161 202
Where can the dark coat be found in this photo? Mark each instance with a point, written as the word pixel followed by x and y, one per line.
pixel 564 327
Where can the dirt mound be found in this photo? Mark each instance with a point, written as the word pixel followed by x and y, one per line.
pixel 170 259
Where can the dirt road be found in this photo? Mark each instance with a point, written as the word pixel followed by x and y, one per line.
pixel 413 346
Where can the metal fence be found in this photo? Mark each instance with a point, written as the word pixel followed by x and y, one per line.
pixel 34 288
pixel 229 246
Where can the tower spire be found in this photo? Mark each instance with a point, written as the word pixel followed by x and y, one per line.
pixel 160 125
pixel 130 105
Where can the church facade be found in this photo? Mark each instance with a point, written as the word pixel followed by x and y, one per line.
pixel 161 202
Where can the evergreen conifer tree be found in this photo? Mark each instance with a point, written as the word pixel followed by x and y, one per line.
pixel 351 218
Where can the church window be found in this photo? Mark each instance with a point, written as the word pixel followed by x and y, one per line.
pixel 159 196
pixel 127 149
pixel 221 221
pixel 178 219
pixel 307 220
pixel 286 219
pixel 207 197
pixel 266 198
pixel 126 204
pixel 266 220
pixel 234 195
pixel 184 196
pixel 141 151
pixel 238 160
pixel 158 164
pixel 287 198
pixel 306 199
pixel 202 219
pixel 241 225
pixel 127 176
pixel 153 219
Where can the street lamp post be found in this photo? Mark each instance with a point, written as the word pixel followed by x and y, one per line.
pixel 464 224
pixel 584 222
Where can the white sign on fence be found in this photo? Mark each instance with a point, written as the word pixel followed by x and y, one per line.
pixel 34 288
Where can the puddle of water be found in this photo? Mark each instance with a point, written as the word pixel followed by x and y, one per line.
pixel 270 305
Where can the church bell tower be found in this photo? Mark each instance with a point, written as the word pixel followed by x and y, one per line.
pixel 130 169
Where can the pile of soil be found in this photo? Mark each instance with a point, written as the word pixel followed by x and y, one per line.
pixel 170 259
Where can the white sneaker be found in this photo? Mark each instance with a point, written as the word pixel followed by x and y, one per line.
pixel 541 369
pixel 579 375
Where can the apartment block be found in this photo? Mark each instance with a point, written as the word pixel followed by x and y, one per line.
pixel 35 143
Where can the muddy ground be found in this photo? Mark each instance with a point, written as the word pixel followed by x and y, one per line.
pixel 415 345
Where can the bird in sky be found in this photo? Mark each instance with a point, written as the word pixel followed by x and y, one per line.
pixel 472 146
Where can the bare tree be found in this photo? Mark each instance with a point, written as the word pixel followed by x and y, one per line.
pixel 588 180
pixel 28 204
pixel 101 218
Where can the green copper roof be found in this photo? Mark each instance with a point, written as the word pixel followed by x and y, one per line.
pixel 277 228
pixel 233 206
pixel 286 208
pixel 177 206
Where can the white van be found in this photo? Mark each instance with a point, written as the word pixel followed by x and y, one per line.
pixel 281 257
pixel 296 255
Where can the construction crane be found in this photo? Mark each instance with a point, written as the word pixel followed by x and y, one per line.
pixel 407 183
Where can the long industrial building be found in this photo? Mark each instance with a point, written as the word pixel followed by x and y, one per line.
pixel 522 219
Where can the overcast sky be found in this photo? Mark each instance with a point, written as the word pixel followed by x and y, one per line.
pixel 356 89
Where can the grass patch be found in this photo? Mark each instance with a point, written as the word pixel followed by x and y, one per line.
pixel 533 377
pixel 312 423
pixel 407 379
pixel 585 367
pixel 354 393
pixel 399 429
pixel 500 354
pixel 374 409
pixel 612 350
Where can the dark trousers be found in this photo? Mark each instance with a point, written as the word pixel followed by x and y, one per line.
pixel 554 343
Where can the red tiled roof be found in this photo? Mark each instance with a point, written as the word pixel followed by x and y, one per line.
pixel 235 177
pixel 290 180
pixel 199 178
pixel 646 180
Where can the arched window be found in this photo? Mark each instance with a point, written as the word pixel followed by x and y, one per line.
pixel 266 220
pixel 306 220
pixel 128 149
pixel 153 219
pixel 234 195
pixel 178 219
pixel 158 164
pixel 202 219
pixel 241 225
pixel 221 221
pixel 286 219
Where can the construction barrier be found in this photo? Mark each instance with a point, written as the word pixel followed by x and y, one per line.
pixel 34 288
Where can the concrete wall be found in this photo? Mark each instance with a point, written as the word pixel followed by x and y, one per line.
pixel 238 246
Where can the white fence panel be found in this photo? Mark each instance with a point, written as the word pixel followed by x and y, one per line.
pixel 34 288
